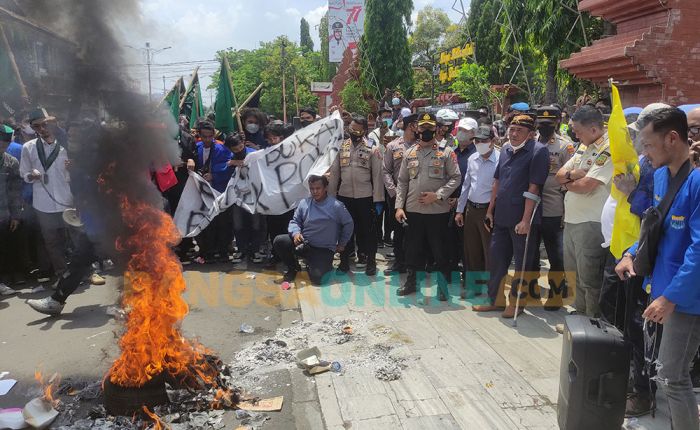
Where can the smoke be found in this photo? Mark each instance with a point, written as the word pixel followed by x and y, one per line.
pixel 111 164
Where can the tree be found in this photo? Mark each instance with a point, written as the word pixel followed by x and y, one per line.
pixel 487 37
pixel 353 98
pixel 306 43
pixel 327 69
pixel 431 27
pixel 386 57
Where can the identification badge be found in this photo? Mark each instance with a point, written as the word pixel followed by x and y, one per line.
pixel 436 163
pixel 397 155
pixel 344 162
pixel 413 163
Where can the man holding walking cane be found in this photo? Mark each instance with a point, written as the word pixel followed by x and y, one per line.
pixel 513 214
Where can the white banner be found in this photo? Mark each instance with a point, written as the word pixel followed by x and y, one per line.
pixel 346 23
pixel 271 182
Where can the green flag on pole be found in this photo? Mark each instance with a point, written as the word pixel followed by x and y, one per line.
pixel 225 100
pixel 173 100
pixel 192 105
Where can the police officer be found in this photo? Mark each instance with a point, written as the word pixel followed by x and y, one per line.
pixel 428 176
pixel 521 172
pixel 356 177
pixel 393 157
pixel 552 229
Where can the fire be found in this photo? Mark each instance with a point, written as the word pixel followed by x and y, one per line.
pixel 153 291
pixel 157 425
pixel 48 386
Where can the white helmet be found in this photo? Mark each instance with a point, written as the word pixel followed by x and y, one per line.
pixel 446 116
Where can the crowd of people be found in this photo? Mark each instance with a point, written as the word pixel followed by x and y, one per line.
pixel 462 197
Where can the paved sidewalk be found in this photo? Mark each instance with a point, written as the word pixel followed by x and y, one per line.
pixel 463 370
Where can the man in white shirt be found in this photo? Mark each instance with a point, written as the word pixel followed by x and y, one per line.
pixel 475 198
pixel 45 164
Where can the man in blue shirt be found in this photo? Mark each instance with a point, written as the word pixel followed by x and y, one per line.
pixel 321 227
pixel 523 166
pixel 213 164
pixel 675 291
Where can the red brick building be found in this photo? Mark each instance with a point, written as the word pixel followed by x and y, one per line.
pixel 655 55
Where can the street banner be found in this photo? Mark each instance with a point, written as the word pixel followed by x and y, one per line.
pixel 346 23
pixel 271 182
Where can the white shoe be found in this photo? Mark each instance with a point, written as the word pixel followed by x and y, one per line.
pixel 96 279
pixel 5 290
pixel 47 306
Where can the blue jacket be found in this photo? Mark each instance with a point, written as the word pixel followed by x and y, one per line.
pixel 642 197
pixel 220 170
pixel 677 267
pixel 325 225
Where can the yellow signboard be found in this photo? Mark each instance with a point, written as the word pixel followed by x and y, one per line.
pixel 450 61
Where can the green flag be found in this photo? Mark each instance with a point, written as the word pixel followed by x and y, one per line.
pixel 192 105
pixel 173 100
pixel 225 100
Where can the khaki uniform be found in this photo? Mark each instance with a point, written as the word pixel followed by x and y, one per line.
pixel 393 157
pixel 357 172
pixel 427 170
pixel 560 151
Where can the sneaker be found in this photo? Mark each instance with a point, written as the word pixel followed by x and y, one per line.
pixel 371 269
pixel 289 276
pixel 256 258
pixel 343 268
pixel 96 279
pixel 43 277
pixel 236 258
pixel 47 306
pixel 394 268
pixel 637 405
pixel 5 290
pixel 361 261
pixel 559 328
pixel 390 256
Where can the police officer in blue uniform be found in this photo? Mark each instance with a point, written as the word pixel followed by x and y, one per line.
pixel 520 175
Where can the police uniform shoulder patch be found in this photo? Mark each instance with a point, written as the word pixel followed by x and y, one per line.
pixel 570 149
pixel 602 158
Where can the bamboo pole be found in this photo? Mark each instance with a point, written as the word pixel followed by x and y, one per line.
pixel 230 83
pixel 250 97
pixel 189 87
pixel 13 63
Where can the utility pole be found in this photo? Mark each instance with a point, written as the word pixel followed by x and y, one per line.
pixel 150 52
pixel 284 84
pixel 164 89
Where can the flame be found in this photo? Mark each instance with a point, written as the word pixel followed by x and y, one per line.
pixel 153 291
pixel 157 423
pixel 48 386
pixel 222 399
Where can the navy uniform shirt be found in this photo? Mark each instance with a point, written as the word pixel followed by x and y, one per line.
pixel 515 172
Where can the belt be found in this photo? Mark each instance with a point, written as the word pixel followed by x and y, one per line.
pixel 478 205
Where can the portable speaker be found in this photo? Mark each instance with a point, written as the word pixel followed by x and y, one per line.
pixel 595 365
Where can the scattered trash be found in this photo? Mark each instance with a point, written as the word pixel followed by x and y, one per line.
pixel 250 276
pixel 116 312
pixel 286 285
pixel 277 342
pixel 247 328
pixel 388 372
pixel 347 329
pixel 489 384
pixel 39 413
pixel 241 414
pixel 264 405
pixel 267 318
pixel 12 419
pixel 336 367
pixel 6 385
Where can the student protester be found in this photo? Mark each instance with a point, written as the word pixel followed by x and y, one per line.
pixel 254 122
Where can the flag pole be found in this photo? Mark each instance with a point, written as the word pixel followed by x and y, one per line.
pixel 250 97
pixel 165 97
pixel 189 87
pixel 230 83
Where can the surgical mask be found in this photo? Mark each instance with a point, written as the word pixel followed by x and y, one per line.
pixel 462 135
pixel 305 123
pixel 252 128
pixel 546 132
pixel 395 101
pixel 427 135
pixel 483 148
pixel 515 148
pixel 399 133
pixel 388 122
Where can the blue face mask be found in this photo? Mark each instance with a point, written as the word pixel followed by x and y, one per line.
pixel 388 122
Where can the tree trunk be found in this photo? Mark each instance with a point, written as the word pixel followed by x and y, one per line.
pixel 550 94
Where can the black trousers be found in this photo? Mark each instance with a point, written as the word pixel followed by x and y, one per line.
pixel 319 260
pixel 389 218
pixel 364 216
pixel 399 233
pixel 427 233
pixel 79 266
pixel 277 225
pixel 218 235
pixel 455 243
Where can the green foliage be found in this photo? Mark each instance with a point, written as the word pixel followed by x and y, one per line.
pixel 386 58
pixel 422 87
pixel 265 64
pixel 472 83
pixel 353 98
pixel 305 41
pixel 431 27
pixel 487 38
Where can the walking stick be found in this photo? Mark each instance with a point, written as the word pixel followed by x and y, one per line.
pixel 537 200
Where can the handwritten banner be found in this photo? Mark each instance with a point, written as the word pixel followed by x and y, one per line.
pixel 271 182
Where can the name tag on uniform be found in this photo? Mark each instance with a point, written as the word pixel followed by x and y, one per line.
pixel 436 163
pixel 344 162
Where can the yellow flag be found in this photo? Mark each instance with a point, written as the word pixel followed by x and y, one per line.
pixel 625 160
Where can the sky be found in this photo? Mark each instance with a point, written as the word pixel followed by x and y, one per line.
pixel 196 29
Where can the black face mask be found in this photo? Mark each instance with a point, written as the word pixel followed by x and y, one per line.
pixel 355 138
pixel 427 135
pixel 546 132
pixel 305 123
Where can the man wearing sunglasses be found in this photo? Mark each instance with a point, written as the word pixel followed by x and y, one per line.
pixel 45 164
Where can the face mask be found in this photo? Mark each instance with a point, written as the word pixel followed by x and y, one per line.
pixel 515 148
pixel 252 128
pixel 388 122
pixel 356 137
pixel 395 101
pixel 546 132
pixel 427 135
pixel 483 148
pixel 305 123
pixel 462 136
pixel 399 133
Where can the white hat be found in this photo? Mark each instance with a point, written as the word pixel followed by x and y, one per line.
pixel 405 112
pixel 468 124
pixel 639 123
pixel 446 116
